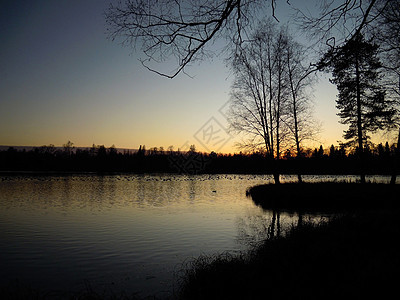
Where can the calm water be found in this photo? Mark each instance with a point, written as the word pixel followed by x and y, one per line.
pixel 123 233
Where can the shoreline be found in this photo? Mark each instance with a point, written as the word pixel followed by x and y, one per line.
pixel 353 256
pixel 325 197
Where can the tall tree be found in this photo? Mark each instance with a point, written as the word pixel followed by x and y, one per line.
pixel 302 124
pixel 268 104
pixel 253 106
pixel 361 101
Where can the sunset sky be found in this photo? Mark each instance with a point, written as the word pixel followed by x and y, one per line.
pixel 61 79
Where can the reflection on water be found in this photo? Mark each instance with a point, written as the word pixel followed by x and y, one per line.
pixel 125 232
pixel 120 232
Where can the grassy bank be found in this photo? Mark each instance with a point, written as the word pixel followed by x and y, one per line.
pixel 354 256
pixel 349 257
pixel 326 197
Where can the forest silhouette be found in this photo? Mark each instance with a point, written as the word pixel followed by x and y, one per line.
pixel 378 160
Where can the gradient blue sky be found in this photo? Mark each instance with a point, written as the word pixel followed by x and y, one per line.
pixel 61 79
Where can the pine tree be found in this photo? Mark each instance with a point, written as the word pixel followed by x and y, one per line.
pixel 361 101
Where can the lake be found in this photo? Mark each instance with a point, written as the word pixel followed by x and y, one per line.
pixel 130 233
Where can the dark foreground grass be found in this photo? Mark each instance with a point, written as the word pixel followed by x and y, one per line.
pixel 349 257
pixel 354 256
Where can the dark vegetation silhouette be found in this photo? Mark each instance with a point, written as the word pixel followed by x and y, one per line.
pixel 378 160
pixel 361 101
pixel 325 197
pixel 269 104
pixel 347 257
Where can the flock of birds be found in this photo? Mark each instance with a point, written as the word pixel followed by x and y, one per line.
pixel 42 177
pixel 133 177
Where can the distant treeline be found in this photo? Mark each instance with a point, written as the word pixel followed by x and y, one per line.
pixel 379 159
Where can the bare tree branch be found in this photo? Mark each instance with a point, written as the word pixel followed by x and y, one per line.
pixel 268 102
pixel 180 29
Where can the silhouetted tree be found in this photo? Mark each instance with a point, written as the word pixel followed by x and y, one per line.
pixel 47 149
pixel 101 151
pixel 268 104
pixel 288 154
pixel 332 151
pixel 381 150
pixel 361 101
pixel 299 71
pixel 112 151
pixel 142 150
pixel 318 153
pixel 192 148
pixel 93 150
pixel 259 90
pixel 153 151
pixel 340 21
pixel 68 148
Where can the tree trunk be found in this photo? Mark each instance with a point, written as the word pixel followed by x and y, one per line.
pixel 276 175
pixel 274 229
pixel 359 124
pixel 396 160
pixel 278 224
pixel 300 219
pixel 296 125
pixel 299 179
pixel 271 233
pixel 276 178
pixel 278 116
pixel 275 171
pixel 296 133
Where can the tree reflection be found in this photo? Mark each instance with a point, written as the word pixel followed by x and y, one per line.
pixel 275 226
pixel 272 224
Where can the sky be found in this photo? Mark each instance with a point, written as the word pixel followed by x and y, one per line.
pixel 62 79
